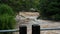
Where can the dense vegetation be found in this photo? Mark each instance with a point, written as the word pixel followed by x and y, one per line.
pixel 49 9
pixel 7 22
pixel 7 16
pixel 18 5
pixel 5 9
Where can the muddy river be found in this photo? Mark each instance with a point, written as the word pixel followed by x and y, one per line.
pixel 28 20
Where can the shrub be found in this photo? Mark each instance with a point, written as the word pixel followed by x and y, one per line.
pixel 49 8
pixel 7 16
pixel 5 9
pixel 7 22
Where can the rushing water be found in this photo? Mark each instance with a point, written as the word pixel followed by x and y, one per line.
pixel 43 23
pixel 32 20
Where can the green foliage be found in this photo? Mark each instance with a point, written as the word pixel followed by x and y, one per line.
pixel 18 5
pixel 14 4
pixel 56 17
pixel 7 22
pixel 7 16
pixel 49 8
pixel 5 9
pixel 35 4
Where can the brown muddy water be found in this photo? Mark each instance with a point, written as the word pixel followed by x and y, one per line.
pixel 29 18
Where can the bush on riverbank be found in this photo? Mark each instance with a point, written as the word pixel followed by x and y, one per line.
pixel 7 16
pixel 7 22
pixel 5 9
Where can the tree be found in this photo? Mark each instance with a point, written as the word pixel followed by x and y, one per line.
pixel 49 9
pixel 15 4
pixel 19 5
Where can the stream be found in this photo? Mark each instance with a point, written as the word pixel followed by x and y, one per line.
pixel 30 20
